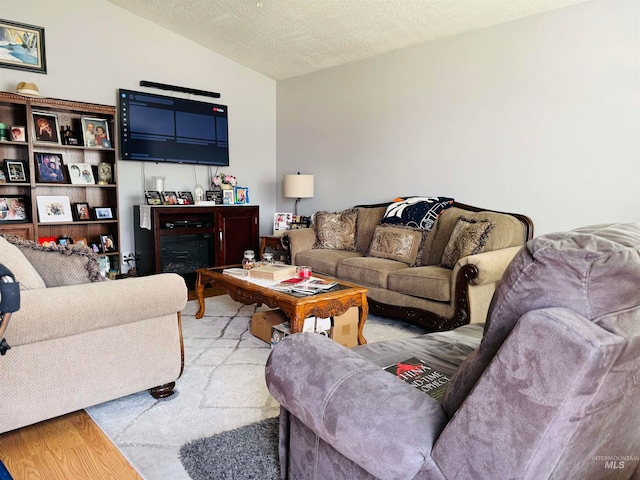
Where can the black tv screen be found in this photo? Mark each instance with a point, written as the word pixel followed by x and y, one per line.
pixel 157 128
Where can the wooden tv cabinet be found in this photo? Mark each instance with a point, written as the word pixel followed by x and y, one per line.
pixel 216 235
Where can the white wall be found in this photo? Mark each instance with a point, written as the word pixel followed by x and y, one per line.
pixel 538 116
pixel 94 47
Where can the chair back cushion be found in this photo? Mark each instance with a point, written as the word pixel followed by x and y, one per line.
pixel 594 271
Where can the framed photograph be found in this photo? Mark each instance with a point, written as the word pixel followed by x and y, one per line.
pixel 49 168
pixel 47 241
pixel 153 197
pixel 282 221
pixel 241 195
pixel 103 213
pixel 105 173
pixel 214 196
pixel 81 211
pixel 45 126
pixel 227 197
pixel 169 198
pixel 54 209
pixel 65 241
pixel 23 46
pixel 96 132
pixel 185 198
pixel 80 241
pixel 107 243
pixel 3 177
pixel 81 174
pixel 17 133
pixel 13 209
pixel 16 170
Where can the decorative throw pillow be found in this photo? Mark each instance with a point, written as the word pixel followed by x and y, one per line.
pixel 336 231
pixel 467 238
pixel 60 265
pixel 400 243
pixel 418 212
pixel 12 258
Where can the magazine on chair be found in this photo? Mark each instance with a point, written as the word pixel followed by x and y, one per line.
pixel 420 375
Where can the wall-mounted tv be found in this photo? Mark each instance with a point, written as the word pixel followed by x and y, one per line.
pixel 157 128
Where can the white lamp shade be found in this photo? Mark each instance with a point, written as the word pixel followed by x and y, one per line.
pixel 298 186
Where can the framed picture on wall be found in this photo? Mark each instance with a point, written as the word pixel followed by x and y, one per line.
pixel 27 41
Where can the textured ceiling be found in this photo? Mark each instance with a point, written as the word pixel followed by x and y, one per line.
pixel 287 38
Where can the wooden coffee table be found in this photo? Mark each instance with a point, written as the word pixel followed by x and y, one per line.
pixel 327 304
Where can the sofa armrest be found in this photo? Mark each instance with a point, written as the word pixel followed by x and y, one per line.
pixel 368 415
pixel 299 240
pixel 47 313
pixel 491 265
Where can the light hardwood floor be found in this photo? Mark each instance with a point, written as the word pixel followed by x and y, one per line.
pixel 71 447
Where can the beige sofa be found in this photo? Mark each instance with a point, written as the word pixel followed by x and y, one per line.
pixel 434 296
pixel 79 340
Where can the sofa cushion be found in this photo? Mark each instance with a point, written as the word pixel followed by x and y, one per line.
pixel 12 258
pixel 430 282
pixel 324 260
pixel 400 243
pixel 419 212
pixel 369 271
pixel 469 237
pixel 368 219
pixel 60 265
pixel 336 230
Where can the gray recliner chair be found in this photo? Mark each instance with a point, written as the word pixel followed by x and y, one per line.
pixel 552 391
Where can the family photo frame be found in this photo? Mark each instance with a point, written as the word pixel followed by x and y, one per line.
pixel 49 168
pixel 46 128
pixel 54 209
pixel 95 132
pixel 16 171
pixel 13 208
pixel 25 47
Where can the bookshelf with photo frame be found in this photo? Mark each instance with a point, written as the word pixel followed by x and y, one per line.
pixel 52 135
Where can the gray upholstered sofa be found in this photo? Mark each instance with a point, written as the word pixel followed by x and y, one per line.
pixel 417 286
pixel 552 392
pixel 79 340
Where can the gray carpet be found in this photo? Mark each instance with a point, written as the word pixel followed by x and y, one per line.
pixel 249 452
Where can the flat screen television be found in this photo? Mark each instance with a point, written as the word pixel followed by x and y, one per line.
pixel 157 128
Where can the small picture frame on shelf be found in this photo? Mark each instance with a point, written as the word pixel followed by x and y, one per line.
pixel 13 209
pixel 81 211
pixel 65 241
pixel 95 132
pixel 18 133
pixel 103 213
pixel 45 126
pixel 153 197
pixel 16 171
pixel 241 195
pixel 48 241
pixel 169 198
pixel 53 209
pixel 105 173
pixel 185 198
pixel 81 174
pixel 214 196
pixel 3 177
pixel 107 243
pixel 49 168
pixel 80 241
pixel 227 197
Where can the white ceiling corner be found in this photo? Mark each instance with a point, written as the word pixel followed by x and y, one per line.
pixel 288 38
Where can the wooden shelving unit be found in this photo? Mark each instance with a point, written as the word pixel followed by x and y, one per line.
pixel 17 110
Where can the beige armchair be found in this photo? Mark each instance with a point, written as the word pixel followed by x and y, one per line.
pixel 79 340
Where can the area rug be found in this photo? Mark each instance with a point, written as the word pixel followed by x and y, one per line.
pixel 249 452
pixel 222 389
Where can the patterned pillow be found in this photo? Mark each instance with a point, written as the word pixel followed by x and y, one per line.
pixel 336 231
pixel 400 243
pixel 60 265
pixel 467 238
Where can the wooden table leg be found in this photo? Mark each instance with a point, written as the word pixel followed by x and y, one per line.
pixel 364 312
pixel 200 295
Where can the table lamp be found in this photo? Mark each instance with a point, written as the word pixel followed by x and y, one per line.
pixel 298 186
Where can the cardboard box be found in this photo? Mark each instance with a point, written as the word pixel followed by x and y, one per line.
pixel 345 328
pixel 322 326
pixel 263 322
